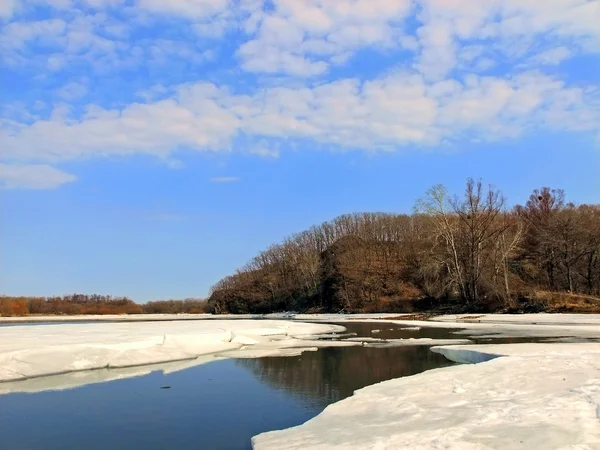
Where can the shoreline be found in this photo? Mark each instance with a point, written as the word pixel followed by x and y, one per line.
pixel 498 391
pixel 112 318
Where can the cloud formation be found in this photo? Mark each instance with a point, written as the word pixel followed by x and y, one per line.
pixel 224 180
pixel 36 176
pixel 372 75
pixel 381 114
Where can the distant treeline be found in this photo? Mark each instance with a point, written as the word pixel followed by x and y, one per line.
pixel 94 304
pixel 467 253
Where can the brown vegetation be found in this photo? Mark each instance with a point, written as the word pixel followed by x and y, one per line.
pixel 94 304
pixel 453 254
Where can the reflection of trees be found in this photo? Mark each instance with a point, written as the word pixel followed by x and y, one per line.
pixel 332 374
pixel 391 331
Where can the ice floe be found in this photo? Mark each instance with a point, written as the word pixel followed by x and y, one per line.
pixel 41 350
pixel 534 396
pixel 493 325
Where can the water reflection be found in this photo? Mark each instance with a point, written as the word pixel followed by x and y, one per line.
pixel 219 405
pixel 332 374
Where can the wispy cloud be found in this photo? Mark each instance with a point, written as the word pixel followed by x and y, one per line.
pixel 225 180
pixel 38 176
pixel 264 149
pixel 73 91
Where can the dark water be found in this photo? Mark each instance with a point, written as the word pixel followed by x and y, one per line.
pixel 219 405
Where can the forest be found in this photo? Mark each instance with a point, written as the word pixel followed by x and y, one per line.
pixel 454 253
pixel 467 253
pixel 94 304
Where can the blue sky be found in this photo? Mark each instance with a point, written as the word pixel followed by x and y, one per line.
pixel 149 148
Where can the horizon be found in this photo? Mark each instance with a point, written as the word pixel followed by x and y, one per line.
pixel 150 148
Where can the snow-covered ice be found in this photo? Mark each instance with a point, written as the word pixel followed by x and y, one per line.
pixel 532 319
pixel 41 350
pixel 72 380
pixel 518 395
pixel 490 325
pixel 538 396
pixel 117 318
pixel 530 396
pixel 411 342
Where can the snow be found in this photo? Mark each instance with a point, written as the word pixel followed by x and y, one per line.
pixel 376 342
pixel 532 319
pixel 81 378
pixel 65 355
pixel 493 325
pixel 122 318
pixel 41 350
pixel 515 396
pixel 538 396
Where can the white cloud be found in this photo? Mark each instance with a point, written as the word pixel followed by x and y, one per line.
pixel 436 92
pixel 264 150
pixel 37 176
pixel 224 180
pixel 73 90
pixel 391 111
pixel 15 37
pixel 98 40
pixel 186 8
pixel 193 118
pixel 152 93
pixel 303 38
pixel 552 57
pixel 512 25
pixel 7 7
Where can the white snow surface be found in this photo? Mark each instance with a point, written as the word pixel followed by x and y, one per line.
pixel 123 318
pixel 40 350
pixel 533 319
pixel 525 396
pixel 489 325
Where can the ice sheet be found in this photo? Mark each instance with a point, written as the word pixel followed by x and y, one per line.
pixel 534 396
pixel 41 350
pixel 495 325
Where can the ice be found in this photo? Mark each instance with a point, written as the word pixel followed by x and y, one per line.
pixel 535 396
pixel 81 378
pixel 532 319
pixel 377 342
pixel 122 318
pixel 495 325
pixel 40 350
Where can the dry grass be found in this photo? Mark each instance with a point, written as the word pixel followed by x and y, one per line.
pixel 565 302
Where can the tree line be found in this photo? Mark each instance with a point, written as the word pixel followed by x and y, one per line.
pixel 94 304
pixel 467 253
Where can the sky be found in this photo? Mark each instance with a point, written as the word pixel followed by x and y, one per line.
pixel 149 147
